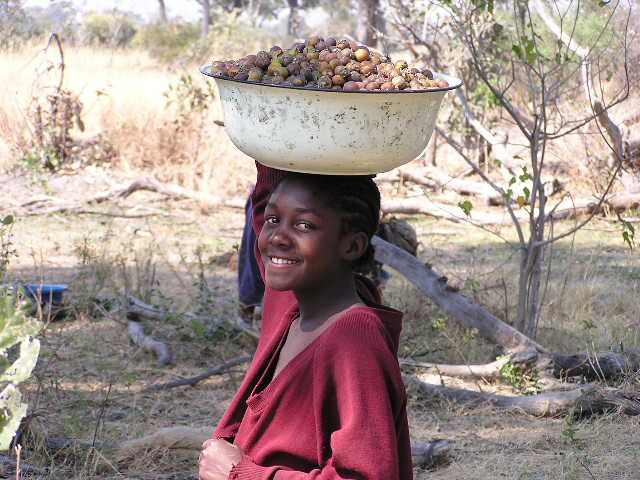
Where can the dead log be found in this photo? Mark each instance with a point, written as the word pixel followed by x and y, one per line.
pixel 598 366
pixel 505 160
pixel 46 204
pixel 142 309
pixel 464 187
pixel 581 402
pixel 617 202
pixel 489 370
pixel 139 337
pixel 490 327
pixel 192 438
pixel 435 287
pixel 447 212
pixel 432 454
pixel 218 370
pixel 181 437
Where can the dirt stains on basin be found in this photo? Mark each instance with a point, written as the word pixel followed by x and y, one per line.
pixel 318 132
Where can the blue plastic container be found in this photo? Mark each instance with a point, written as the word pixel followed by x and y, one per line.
pixel 45 293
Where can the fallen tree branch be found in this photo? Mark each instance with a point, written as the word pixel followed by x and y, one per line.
pixel 490 327
pixel 505 160
pixel 431 284
pixel 129 214
pixel 584 401
pixel 618 202
pixel 181 437
pixel 489 370
pixel 464 187
pixel 139 337
pixel 598 366
pixel 137 306
pixel 46 204
pixel 218 370
pixel 192 438
pixel 430 454
pixel 447 212
pixel 9 465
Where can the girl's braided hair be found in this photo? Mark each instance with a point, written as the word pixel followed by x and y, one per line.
pixel 357 198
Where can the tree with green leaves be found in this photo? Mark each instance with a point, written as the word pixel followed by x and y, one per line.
pixel 18 349
pixel 523 57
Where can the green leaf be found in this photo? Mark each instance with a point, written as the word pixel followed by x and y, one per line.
pixel 603 3
pixel 466 207
pixel 527 193
pixel 629 234
pixel 521 201
pixel 14 324
pixel 525 175
pixel 24 365
pixel 8 220
pixel 517 50
pixel 12 411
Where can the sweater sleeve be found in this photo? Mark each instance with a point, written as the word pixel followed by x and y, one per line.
pixel 360 407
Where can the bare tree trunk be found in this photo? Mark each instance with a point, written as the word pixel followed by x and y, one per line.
pixel 619 135
pixel 162 12
pixel 293 22
pixel 206 17
pixel 366 23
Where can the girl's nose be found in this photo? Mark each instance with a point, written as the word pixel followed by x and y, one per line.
pixel 280 238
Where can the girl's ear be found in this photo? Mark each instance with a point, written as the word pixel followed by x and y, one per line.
pixel 354 245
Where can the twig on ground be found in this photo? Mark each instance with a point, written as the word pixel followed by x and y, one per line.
pixel 20 466
pixel 135 305
pixel 140 338
pixel 218 370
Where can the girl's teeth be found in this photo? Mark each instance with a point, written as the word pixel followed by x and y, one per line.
pixel 282 261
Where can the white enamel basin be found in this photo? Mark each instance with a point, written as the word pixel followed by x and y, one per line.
pixel 328 131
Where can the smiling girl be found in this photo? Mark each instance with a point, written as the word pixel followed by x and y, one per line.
pixel 323 397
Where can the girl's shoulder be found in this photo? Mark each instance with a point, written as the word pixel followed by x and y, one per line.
pixel 365 327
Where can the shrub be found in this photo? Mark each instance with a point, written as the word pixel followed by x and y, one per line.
pixel 167 42
pixel 16 332
pixel 107 29
pixel 18 350
pixel 15 25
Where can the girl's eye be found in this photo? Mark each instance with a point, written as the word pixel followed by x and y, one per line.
pixel 305 226
pixel 271 219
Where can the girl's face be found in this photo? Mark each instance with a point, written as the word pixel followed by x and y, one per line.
pixel 301 243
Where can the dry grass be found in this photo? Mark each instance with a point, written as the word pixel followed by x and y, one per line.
pixel 89 377
pixel 123 97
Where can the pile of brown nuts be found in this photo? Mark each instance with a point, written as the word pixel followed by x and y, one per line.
pixel 325 63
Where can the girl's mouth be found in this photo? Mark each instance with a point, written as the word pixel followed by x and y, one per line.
pixel 283 261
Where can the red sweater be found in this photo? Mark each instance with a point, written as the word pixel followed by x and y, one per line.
pixel 338 409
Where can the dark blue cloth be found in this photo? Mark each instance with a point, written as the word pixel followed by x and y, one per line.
pixel 250 284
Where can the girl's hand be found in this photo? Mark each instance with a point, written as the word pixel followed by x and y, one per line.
pixel 217 458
